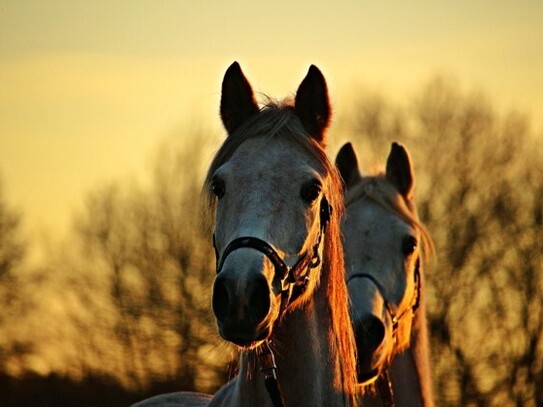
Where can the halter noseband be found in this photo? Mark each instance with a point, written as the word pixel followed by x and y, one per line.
pixel 413 306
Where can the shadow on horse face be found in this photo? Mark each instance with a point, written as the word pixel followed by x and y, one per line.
pixel 372 328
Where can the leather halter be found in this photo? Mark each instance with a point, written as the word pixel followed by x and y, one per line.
pixel 293 283
pixel 383 383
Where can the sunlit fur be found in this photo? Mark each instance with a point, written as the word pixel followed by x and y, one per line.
pixel 278 121
pixel 377 189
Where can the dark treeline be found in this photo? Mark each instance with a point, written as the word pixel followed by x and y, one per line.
pixel 120 309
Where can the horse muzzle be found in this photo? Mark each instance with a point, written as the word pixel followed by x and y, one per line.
pixel 370 338
pixel 242 308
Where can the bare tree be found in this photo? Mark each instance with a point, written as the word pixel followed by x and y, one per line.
pixel 11 245
pixel 12 249
pixel 159 266
pixel 479 188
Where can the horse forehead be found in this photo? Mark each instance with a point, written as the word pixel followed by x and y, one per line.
pixel 371 221
pixel 267 157
pixel 373 238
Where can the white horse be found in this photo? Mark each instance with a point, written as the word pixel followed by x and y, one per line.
pixel 384 242
pixel 280 293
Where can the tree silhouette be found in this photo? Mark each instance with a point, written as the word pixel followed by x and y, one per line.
pixel 11 246
pixel 158 264
pixel 479 179
pixel 12 250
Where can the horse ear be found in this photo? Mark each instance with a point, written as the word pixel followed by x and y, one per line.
pixel 399 170
pixel 347 164
pixel 237 99
pixel 312 105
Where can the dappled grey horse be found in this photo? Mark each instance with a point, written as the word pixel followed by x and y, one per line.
pixel 384 243
pixel 280 292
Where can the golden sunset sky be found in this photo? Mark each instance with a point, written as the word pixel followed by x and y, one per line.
pixel 89 88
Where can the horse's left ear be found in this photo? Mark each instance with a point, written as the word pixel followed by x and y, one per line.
pixel 312 105
pixel 399 170
pixel 347 164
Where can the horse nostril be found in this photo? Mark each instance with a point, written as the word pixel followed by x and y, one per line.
pixel 259 301
pixel 220 299
pixel 372 332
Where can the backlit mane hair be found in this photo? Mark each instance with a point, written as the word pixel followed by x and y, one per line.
pixel 277 120
pixel 381 191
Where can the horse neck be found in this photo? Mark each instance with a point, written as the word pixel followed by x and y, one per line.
pixel 308 364
pixel 410 370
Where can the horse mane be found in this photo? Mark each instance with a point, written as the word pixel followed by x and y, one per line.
pixel 278 120
pixel 377 188
pixel 334 267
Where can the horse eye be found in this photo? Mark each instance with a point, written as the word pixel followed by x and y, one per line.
pixel 409 244
pixel 311 190
pixel 218 188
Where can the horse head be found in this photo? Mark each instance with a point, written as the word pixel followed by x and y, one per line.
pixel 382 240
pixel 270 186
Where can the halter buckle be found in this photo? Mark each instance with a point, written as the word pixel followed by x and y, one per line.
pixel 288 281
pixel 266 359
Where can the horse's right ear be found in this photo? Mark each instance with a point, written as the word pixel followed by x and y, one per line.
pixel 399 171
pixel 347 164
pixel 237 99
pixel 312 105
